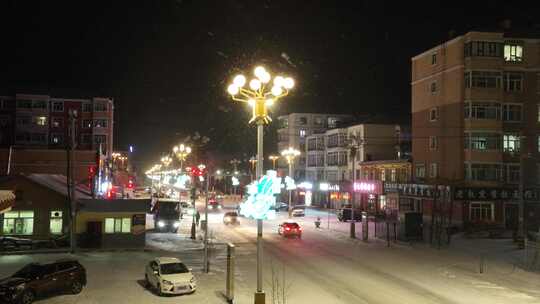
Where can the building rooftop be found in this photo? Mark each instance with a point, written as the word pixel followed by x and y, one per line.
pixel 58 183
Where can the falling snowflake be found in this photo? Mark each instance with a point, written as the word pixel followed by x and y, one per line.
pixel 288 59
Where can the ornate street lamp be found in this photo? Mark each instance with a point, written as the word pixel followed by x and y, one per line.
pixel 182 151
pixel 290 154
pixel 260 93
pixel 273 158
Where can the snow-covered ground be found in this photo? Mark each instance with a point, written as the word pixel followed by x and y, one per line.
pixel 325 266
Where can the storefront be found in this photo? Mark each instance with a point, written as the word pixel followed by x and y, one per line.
pixel 112 223
pixel 369 196
pixel 38 209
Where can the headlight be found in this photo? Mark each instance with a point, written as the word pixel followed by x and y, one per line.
pixel 161 224
pixel 176 224
pixel 219 206
pixel 192 280
pixel 165 282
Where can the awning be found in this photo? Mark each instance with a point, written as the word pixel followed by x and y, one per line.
pixel 7 198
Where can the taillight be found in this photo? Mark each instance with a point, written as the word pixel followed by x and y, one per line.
pixel 300 228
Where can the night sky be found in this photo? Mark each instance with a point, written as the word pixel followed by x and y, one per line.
pixel 167 62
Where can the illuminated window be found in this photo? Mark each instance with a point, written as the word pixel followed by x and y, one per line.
pixel 511 142
pixel 87 123
pixel 40 120
pixel 302 133
pixel 57 138
pixel 19 222
pixel 55 222
pixel 57 122
pixel 118 225
pixel 513 52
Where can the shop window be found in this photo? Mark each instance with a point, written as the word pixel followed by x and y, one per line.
pixel 55 222
pixel 19 223
pixel 118 225
pixel 481 212
pixel 382 202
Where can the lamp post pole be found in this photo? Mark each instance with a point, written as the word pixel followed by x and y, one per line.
pixel 259 296
pixel 289 154
pixel 259 98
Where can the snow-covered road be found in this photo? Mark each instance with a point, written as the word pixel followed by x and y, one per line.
pixel 325 266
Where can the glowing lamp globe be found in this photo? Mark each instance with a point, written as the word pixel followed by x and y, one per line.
pixel 232 89
pixel 265 77
pixel 239 81
pixel 288 83
pixel 277 90
pixel 278 81
pixel 259 72
pixel 255 84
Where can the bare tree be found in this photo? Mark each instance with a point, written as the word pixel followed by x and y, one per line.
pixel 279 285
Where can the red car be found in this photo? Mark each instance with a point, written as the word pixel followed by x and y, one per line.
pixel 290 229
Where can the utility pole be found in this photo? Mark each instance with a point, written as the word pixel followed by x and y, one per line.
pixel 206 262
pixel 71 181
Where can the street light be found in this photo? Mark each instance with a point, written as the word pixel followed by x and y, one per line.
pixel 273 158
pixel 253 162
pixel 181 152
pixel 353 143
pixel 261 94
pixel 290 154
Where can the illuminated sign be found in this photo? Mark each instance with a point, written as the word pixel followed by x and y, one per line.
pixel 305 185
pixel 289 183
pixel 374 187
pixel 261 197
pixel 328 187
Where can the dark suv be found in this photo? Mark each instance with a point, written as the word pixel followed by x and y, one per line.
pixel 40 279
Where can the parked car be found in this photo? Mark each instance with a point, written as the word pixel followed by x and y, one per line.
pixel 281 206
pixel 298 212
pixel 231 218
pixel 290 229
pixel 9 243
pixel 169 276
pixel 344 214
pixel 41 279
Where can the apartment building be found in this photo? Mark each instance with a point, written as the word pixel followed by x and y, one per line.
pixel 328 155
pixel 476 124
pixel 293 130
pixel 42 121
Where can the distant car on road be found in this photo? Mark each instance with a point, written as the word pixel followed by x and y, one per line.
pixel 298 212
pixel 38 279
pixel 290 229
pixel 281 206
pixel 213 204
pixel 169 276
pixel 231 218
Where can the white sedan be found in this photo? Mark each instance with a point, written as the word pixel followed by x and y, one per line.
pixel 169 276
